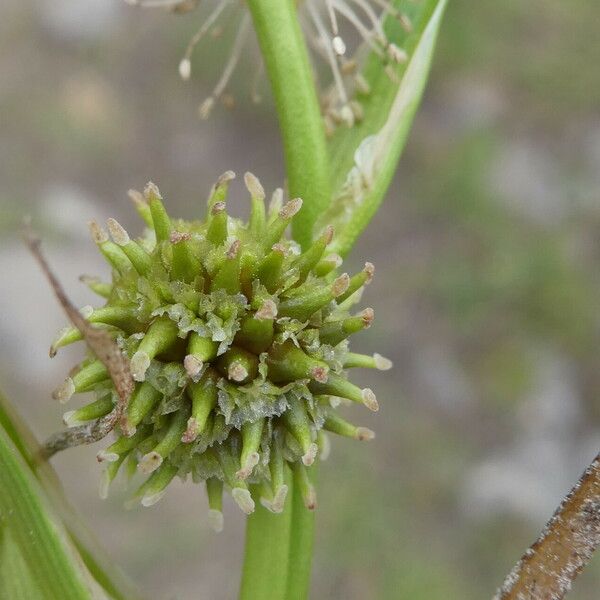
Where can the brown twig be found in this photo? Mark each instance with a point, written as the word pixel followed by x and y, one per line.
pixel 107 351
pixel 548 568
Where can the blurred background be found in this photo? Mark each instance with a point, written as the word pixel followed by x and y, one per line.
pixel 486 294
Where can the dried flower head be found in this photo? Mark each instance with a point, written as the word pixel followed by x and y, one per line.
pixel 237 343
pixel 337 32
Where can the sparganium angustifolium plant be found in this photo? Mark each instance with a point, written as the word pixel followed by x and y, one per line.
pixel 238 345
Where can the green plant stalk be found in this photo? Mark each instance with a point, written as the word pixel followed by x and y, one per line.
pixel 266 557
pixel 301 545
pixel 305 149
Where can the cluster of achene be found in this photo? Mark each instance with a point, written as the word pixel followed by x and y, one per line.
pixel 238 345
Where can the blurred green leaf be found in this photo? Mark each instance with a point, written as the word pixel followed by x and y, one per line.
pixel 45 551
pixel 364 157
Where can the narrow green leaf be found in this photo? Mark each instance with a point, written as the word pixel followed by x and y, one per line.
pixel 87 558
pixel 364 157
pixel 38 558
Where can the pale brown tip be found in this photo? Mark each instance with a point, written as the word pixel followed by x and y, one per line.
pixel 369 270
pixel 99 235
pixel 233 249
pixel 291 208
pixel 367 315
pixel 340 285
pixel 151 191
pixel 254 186
pixel 175 237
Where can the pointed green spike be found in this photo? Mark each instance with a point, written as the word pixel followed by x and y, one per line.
pixel 338 386
pixel 91 411
pixel 161 335
pixel 334 332
pixel 239 489
pixel 113 316
pixel 258 219
pixel 303 304
pixel 214 492
pixel 204 395
pixel 328 264
pixel 200 350
pixel 376 361
pixel 219 191
pixel 298 423
pixel 88 376
pixel 307 490
pixel 238 365
pixel 142 401
pixel 251 438
pixel 228 276
pixel 335 424
pixel 270 269
pixel 153 489
pixel 123 445
pixel 108 475
pixel 141 206
pixel 218 225
pixel 357 281
pixel 186 266
pixel 113 254
pixel 96 285
pixel 256 331
pixel 168 442
pixel 307 260
pixel 288 363
pixel 277 227
pixel 139 258
pixel 160 218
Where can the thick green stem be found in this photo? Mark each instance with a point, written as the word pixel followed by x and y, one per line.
pixel 266 557
pixel 301 545
pixel 290 75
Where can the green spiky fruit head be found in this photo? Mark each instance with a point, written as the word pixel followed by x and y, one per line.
pixel 237 342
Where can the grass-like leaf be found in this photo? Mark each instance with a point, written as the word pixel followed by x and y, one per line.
pixel 45 551
pixel 364 157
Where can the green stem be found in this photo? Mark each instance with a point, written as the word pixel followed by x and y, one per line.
pixel 301 545
pixel 290 75
pixel 266 558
